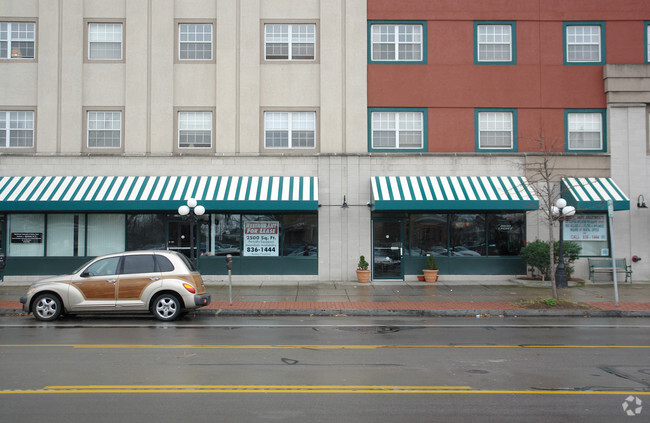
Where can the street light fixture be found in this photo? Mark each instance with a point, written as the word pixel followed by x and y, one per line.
pixel 193 211
pixel 562 213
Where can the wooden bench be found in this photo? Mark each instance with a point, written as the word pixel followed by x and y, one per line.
pixel 597 266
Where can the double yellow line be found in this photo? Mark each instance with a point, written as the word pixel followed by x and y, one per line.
pixel 294 389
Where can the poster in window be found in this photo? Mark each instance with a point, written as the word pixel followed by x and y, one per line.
pixel 586 227
pixel 261 239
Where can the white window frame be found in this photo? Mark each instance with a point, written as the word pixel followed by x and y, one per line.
pixel 396 122
pixel 16 120
pixel 94 40
pixel 294 122
pixel 7 39
pixel 495 121
pixel 293 37
pixel 492 35
pixel 189 121
pixel 188 42
pixel 578 39
pixel 104 126
pixel 575 125
pixel 393 37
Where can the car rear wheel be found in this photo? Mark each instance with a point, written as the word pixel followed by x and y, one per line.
pixel 166 307
pixel 47 307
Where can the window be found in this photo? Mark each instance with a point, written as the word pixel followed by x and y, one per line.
pixel 16 129
pixel 585 130
pixel 25 234
pixel 104 234
pixel 194 130
pixel 496 129
pixel 289 130
pixel 17 40
pixel 290 41
pixel 397 42
pixel 143 263
pixel 402 129
pixel 495 43
pixel 647 42
pixel 104 129
pixel 105 41
pixel 590 232
pixel 66 234
pixel 584 43
pixel 104 267
pixel 195 41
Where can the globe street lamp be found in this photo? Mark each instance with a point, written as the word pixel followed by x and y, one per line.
pixel 562 213
pixel 193 210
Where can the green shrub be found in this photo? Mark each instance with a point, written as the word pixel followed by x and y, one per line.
pixel 550 302
pixel 431 262
pixel 536 254
pixel 363 264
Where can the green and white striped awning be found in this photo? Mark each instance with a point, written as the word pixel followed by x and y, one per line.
pixel 591 194
pixel 452 193
pixel 157 193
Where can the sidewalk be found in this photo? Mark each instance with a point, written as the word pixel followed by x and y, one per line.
pixel 401 298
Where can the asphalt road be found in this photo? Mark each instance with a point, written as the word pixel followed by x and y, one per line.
pixel 324 369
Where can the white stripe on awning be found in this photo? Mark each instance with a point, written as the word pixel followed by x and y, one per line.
pixel 592 194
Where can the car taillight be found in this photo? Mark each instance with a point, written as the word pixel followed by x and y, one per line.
pixel 190 288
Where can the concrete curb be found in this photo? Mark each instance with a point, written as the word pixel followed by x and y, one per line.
pixel 406 313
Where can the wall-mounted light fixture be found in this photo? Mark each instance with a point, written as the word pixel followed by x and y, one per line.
pixel 345 203
pixel 640 202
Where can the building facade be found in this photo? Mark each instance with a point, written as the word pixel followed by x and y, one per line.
pixel 314 132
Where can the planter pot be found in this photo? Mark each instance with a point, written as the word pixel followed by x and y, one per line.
pixel 363 276
pixel 430 275
pixel 421 278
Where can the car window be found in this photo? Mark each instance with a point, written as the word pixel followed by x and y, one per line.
pixel 164 265
pixel 187 262
pixel 103 267
pixel 139 264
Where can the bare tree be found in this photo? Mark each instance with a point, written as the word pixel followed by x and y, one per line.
pixel 542 175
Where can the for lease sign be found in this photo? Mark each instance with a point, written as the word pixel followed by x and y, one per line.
pixel 261 238
pixel 590 227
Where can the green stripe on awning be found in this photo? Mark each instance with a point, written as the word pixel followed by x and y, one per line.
pixel 452 193
pixel 592 194
pixel 157 193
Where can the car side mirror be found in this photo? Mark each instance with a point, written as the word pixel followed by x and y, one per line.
pixel 85 274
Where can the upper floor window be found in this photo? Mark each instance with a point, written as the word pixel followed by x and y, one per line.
pixel 290 41
pixel 402 130
pixel 647 42
pixel 585 130
pixel 584 43
pixel 290 130
pixel 105 41
pixel 16 129
pixel 17 40
pixel 195 41
pixel 104 129
pixel 397 42
pixel 194 130
pixel 496 129
pixel 495 43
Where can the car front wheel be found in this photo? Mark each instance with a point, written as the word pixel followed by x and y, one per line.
pixel 47 307
pixel 166 307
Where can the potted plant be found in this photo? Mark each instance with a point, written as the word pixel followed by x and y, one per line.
pixel 363 274
pixel 431 272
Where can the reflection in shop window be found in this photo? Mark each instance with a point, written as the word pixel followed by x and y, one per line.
pixel 145 232
pixel 105 234
pixel 66 235
pixel 506 233
pixel 429 234
pixel 300 235
pixel 226 234
pixel 467 235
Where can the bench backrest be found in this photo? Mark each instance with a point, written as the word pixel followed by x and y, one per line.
pixel 607 263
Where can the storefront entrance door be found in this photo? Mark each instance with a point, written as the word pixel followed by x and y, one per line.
pixel 179 236
pixel 387 249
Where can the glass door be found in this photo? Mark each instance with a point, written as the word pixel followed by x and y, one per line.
pixel 179 236
pixel 387 249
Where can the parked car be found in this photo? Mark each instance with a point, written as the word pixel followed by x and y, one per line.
pixel 162 282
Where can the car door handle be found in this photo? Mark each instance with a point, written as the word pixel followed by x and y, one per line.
pixel 111 280
pixel 154 278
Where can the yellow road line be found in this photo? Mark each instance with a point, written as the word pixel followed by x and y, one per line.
pixel 299 389
pixel 317 347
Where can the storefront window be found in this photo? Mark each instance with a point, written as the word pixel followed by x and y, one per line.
pixel 467 235
pixel 105 234
pixel 429 234
pixel 145 232
pixel 300 235
pixel 506 234
pixel 26 234
pixel 590 232
pixel 226 233
pixel 66 235
pixel 261 235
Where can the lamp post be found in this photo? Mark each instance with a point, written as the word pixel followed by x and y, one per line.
pixel 562 213
pixel 194 211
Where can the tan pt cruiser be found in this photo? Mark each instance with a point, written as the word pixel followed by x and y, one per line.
pixel 162 282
